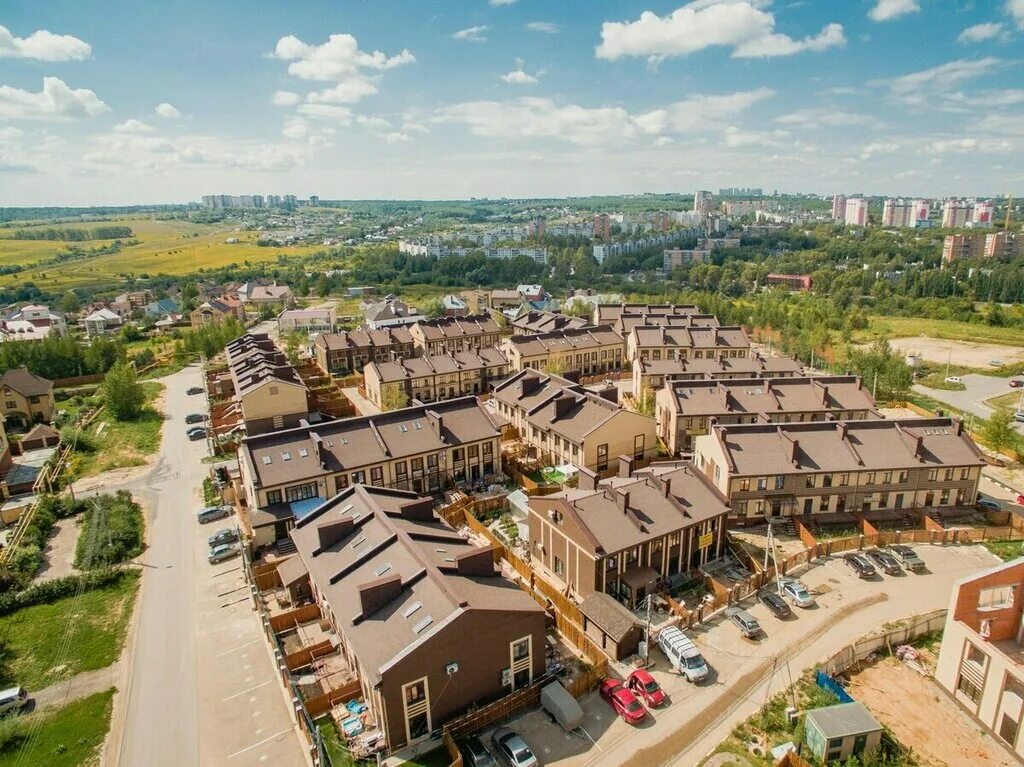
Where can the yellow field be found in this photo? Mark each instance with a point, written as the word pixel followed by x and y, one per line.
pixel 165 247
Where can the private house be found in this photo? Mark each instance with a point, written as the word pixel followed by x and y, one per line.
pixel 667 342
pixel 425 449
pixel 265 295
pixel 126 303
pixel 651 375
pixel 27 398
pixel 626 536
pixel 560 422
pixel 981 660
pixel 102 322
pixel 402 592
pixel 843 731
pixel 448 335
pixel 308 321
pixel 499 300
pixel 686 409
pixel 32 322
pixel 777 470
pixel 216 311
pixel 268 392
pixel 589 351
pixel 531 322
pixel 454 306
pixel 608 314
pixel 163 307
pixel 349 352
pixel 437 377
pixel 392 313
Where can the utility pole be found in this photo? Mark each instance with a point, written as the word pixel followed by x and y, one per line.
pixel 949 359
pixel 647 644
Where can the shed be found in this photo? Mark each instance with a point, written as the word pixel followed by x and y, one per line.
pixel 612 627
pixel 560 704
pixel 295 578
pixel 41 435
pixel 835 733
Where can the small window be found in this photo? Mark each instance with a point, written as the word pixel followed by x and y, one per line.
pixel 303 453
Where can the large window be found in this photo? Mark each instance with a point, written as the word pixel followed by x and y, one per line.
pixel 968 688
pixel 602 457
pixel 377 476
pixel 638 446
pixel 273 496
pixel 996 598
pixel 300 492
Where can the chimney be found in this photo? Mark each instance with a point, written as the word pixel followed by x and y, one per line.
pixel 420 510
pixel 375 594
pixel 622 500
pixel 794 452
pixel 563 405
pixel 572 375
pixel 530 383
pixel 841 426
pixel 666 485
pixel 330 533
pixel 587 479
pixel 767 386
pixel 436 423
pixel 318 443
pixel 478 562
pixel 958 426
pixel 824 395
pixel 610 394
pixel 625 466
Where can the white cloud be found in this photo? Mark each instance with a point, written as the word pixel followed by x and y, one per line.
pixel 519 77
pixel 878 147
pixel 56 101
pixel 133 126
pixel 10 134
pixel 43 46
pixel 167 111
pixel 395 137
pixel 1016 10
pixel 981 32
pixel 502 2
pixel 817 117
pixel 472 34
pixel 342 115
pixel 743 25
pixel 737 137
pixel 989 99
pixel 337 59
pixel 965 145
pixel 348 92
pixel 543 26
pixel 285 98
pixel 295 128
pixel 887 10
pixel 919 88
pixel 373 123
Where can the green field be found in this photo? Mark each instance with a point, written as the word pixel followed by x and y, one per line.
pixel 165 247
pixel 32 634
pixel 950 330
pixel 70 736
pixel 1010 400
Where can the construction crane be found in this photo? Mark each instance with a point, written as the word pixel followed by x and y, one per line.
pixel 1009 213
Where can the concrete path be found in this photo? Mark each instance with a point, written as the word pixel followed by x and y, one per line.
pixel 79 686
pixel 363 405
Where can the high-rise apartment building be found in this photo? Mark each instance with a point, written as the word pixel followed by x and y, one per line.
pixel 856 212
pixel 839 207
pixel 955 213
pixel 956 246
pixel 702 203
pixel 1003 245
pixel 982 214
pixel 602 226
pixel 537 228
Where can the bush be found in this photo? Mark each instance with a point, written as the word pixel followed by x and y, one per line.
pixel 122 393
pixel 113 526
pixel 49 591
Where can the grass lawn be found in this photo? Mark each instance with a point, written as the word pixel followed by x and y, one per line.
pixel 334 744
pixel 1010 400
pixel 70 736
pixel 904 327
pixel 100 619
pixel 120 444
pixel 1005 550
pixel 938 381
pixel 437 758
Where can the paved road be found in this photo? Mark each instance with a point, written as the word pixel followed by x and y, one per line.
pixel 199 647
pixel 972 399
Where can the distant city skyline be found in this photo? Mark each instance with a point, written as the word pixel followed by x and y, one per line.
pixel 507 98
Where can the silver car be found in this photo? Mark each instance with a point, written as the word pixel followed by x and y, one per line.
pixel 797 593
pixel 906 556
pixel 223 552
pixel 746 622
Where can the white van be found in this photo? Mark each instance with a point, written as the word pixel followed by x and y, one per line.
pixel 682 654
pixel 13 699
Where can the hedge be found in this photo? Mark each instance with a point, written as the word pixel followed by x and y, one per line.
pixel 49 591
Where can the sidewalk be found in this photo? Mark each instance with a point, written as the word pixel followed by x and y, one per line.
pixel 79 686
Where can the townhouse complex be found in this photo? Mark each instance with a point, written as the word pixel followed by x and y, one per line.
pixel 591 351
pixel 652 374
pixel 435 377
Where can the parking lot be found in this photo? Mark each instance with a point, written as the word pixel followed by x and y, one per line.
pixel 744 673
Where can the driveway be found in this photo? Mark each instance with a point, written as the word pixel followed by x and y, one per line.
pixel 202 688
pixel 972 399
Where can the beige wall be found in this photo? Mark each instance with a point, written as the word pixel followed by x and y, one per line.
pixel 40 410
pixel 274 398
pixel 619 434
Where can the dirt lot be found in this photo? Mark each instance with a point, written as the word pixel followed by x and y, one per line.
pixel 964 352
pixel 897 412
pixel 755 538
pixel 59 554
pixel 890 689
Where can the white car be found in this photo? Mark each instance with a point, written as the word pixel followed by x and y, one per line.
pixel 953 379
pixel 796 593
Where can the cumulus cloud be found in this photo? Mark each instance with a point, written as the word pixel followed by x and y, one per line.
pixel 395 137
pixel 981 32
pixel 519 77
pixel 543 26
pixel 1016 10
pixel 472 34
pixel 340 114
pixel 878 147
pixel 285 99
pixel 887 10
pixel 348 92
pixel 43 46
pixel 167 111
pixel 919 88
pixel 502 2
pixel 338 59
pixel 746 26
pixel 133 126
pixel 56 101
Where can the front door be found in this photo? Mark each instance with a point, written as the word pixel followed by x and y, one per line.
pixel 808 505
pixel 899 501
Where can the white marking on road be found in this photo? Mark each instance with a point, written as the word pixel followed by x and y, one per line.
pixel 233 649
pixel 255 714
pixel 250 689
pixel 260 743
pixel 584 731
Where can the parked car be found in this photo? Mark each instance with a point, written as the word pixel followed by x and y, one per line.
pixel 996 363
pixel 475 754
pixel 776 604
pixel 224 551
pixel 1019 416
pixel 989 503
pixel 210 513
pixel 860 565
pixel 195 390
pixel 622 700
pixel 224 535
pixel 682 654
pixel 953 379
pixel 13 699
pixel 646 687
pixel 513 748
pixel 886 561
pixel 196 433
pixel 907 557
pixel 1016 383
pixel 797 593
pixel 195 418
pixel 747 623
pixel 1020 500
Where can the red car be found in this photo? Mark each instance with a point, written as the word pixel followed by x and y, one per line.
pixel 623 701
pixel 646 688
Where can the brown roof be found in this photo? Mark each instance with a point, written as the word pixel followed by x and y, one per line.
pixel 361 339
pixel 26 383
pixel 394 575
pixel 847 446
pixel 531 322
pixel 771 396
pixel 611 312
pixel 567 341
pixel 299 454
pixel 41 431
pixel 626 322
pixel 695 337
pixel 291 570
pixel 754 365
pixel 456 327
pixel 609 614
pixel 439 364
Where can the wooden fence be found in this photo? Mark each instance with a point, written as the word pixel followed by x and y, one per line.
pixel 910 629
pixel 305 656
pixel 321 704
pixel 293 618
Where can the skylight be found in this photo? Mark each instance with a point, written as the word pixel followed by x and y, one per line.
pixel 382 569
pixel 266 460
pixel 403 427
pixel 286 456
pixel 420 627
pixel 361 539
pixel 303 453
pixel 411 609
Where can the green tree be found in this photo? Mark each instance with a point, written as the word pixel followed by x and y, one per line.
pixel 122 393
pixel 433 308
pixel 294 342
pixel 393 398
pixel 69 302
pixel 999 432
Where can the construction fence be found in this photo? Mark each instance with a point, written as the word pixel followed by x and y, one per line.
pixel 907 631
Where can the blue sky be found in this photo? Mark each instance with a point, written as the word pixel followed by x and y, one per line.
pixel 134 101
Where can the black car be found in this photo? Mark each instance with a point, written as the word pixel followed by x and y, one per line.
pixel 860 565
pixel 195 418
pixel 196 433
pixel 195 390
pixel 776 604
pixel 886 561
pixel 474 754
